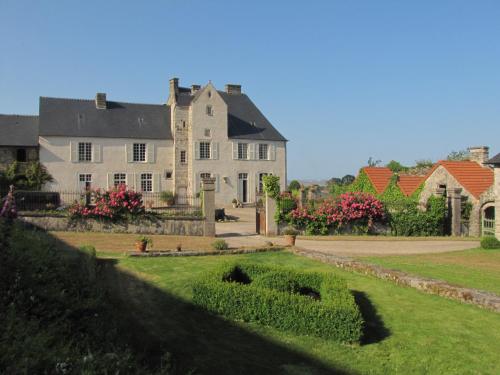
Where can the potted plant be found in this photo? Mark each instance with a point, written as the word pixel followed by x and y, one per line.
pixel 290 236
pixel 142 243
pixel 234 202
pixel 167 197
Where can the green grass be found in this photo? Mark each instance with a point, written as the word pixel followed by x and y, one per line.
pixel 408 332
pixel 476 268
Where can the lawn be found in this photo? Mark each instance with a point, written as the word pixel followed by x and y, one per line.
pixel 474 268
pixel 407 331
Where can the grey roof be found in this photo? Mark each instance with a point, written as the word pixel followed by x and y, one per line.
pixel 246 121
pixel 81 118
pixel 17 130
pixel 494 160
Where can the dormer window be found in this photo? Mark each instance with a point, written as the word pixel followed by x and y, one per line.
pixel 210 111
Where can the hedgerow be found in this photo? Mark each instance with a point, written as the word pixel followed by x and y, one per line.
pixel 282 298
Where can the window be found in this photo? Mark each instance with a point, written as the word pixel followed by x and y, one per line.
pixel 210 110
pixel 119 179
pixel 146 182
pixel 139 152
pixel 242 151
pixel 85 180
pixel 168 175
pixel 84 151
pixel 183 157
pixel 205 175
pixel 204 150
pixel 21 155
pixel 261 182
pixel 263 151
pixel 208 133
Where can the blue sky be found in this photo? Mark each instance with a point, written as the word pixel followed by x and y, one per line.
pixel 342 80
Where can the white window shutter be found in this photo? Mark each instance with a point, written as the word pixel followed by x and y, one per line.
pixel 131 181
pixel 110 180
pixel 150 149
pixel 272 152
pixel 138 182
pixel 196 150
pixel 216 182
pixel 77 182
pixel 156 182
pixel 96 153
pixel 73 151
pixel 129 152
pixel 251 151
pixel 235 150
pixel 215 150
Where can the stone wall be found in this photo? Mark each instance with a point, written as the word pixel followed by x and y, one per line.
pixel 8 155
pixel 178 226
pixel 497 200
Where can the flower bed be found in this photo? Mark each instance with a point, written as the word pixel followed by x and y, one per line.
pixel 307 303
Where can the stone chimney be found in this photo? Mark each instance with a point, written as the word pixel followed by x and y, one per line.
pixel 195 88
pixel 233 89
pixel 174 87
pixel 479 154
pixel 100 100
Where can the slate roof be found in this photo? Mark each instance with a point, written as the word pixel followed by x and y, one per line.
pixel 379 177
pixel 409 183
pixel 246 121
pixel 81 118
pixel 494 160
pixel 18 130
pixel 472 176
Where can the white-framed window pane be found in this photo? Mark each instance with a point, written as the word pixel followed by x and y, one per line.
pixel 139 152
pixel 84 151
pixel 146 182
pixel 263 151
pixel 204 150
pixel 119 179
pixel 261 182
pixel 242 151
pixel 205 175
pixel 183 157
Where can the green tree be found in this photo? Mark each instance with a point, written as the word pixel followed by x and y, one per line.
pixel 396 166
pixel 373 163
pixel 458 155
pixel 294 185
pixel 348 179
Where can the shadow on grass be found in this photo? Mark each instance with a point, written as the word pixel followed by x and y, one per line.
pixel 374 330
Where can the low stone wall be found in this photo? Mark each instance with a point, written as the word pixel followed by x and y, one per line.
pixel 477 297
pixel 182 226
pixel 191 253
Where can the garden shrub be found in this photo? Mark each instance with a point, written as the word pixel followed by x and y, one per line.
pixel 282 298
pixel 490 242
pixel 220 245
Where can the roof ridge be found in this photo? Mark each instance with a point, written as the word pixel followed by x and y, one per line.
pixel 109 101
pixel 18 115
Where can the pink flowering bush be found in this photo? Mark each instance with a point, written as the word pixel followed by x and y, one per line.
pixel 359 210
pixel 114 204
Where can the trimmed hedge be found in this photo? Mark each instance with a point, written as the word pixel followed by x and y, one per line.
pixel 490 242
pixel 282 298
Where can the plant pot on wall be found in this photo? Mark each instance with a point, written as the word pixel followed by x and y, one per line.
pixel 290 239
pixel 141 246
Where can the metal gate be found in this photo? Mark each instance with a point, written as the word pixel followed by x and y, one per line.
pixel 488 227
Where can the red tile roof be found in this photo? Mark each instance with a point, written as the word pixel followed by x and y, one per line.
pixel 472 176
pixel 409 183
pixel 379 177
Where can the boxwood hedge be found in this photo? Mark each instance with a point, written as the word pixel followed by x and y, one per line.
pixel 308 303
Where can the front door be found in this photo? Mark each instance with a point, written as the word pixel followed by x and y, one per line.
pixel 243 187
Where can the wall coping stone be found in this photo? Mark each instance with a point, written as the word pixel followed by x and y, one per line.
pixel 189 253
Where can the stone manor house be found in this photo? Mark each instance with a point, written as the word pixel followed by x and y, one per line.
pixel 199 132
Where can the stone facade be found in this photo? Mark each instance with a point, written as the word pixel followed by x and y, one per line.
pixel 497 201
pixel 9 154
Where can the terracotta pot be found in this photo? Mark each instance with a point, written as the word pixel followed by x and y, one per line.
pixel 290 239
pixel 141 246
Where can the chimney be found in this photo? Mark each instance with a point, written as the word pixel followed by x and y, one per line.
pixel 479 154
pixel 233 89
pixel 100 100
pixel 195 88
pixel 174 87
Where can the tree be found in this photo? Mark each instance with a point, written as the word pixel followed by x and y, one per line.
pixel 36 175
pixel 373 163
pixel 396 166
pixel 458 155
pixel 348 179
pixel 334 181
pixel 294 185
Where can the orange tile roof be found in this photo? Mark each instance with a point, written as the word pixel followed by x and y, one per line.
pixel 472 176
pixel 409 183
pixel 379 177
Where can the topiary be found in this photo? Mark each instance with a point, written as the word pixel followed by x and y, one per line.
pixel 490 242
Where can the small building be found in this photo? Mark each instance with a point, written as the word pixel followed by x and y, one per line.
pixel 495 162
pixel 18 139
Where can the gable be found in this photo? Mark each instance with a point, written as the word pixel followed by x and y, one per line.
pixel 380 177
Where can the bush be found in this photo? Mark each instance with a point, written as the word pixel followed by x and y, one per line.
pixel 490 242
pixel 167 197
pixel 282 298
pixel 220 245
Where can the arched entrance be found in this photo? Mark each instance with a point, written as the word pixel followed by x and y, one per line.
pixel 488 220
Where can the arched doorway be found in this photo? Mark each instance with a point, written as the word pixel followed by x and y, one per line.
pixel 488 220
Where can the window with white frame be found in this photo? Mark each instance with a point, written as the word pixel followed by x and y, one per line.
pixel 205 175
pixel 139 152
pixel 204 150
pixel 119 179
pixel 85 180
pixel 210 110
pixel 84 151
pixel 146 182
pixel 261 182
pixel 242 151
pixel 183 157
pixel 263 151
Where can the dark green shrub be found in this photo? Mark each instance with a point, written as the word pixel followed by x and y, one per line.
pixel 220 245
pixel 282 298
pixel 490 242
